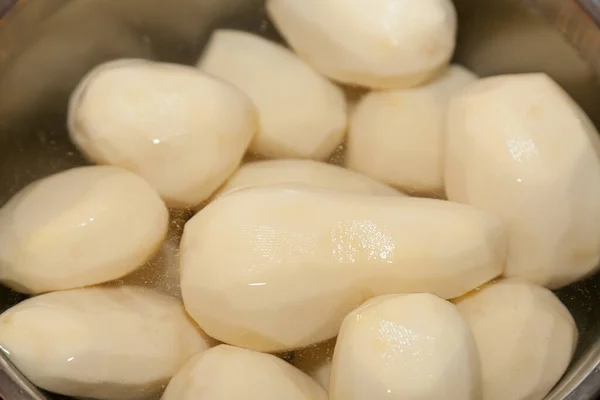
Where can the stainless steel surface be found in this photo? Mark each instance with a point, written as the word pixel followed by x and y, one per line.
pixel 47 45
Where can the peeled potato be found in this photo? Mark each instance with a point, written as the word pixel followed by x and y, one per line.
pixel 308 172
pixel 230 373
pixel 382 44
pixel 183 131
pixel 80 227
pixel 277 268
pixel 520 148
pixel 398 137
pixel 161 273
pixel 302 114
pixel 405 347
pixel 316 361
pixel 104 343
pixel 525 335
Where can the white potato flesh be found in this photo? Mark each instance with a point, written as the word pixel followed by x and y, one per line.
pixel 104 343
pixel 80 227
pixel 277 268
pixel 382 44
pixel 230 373
pixel 525 335
pixel 302 114
pixel 398 137
pixel 183 131
pixel 161 273
pixel 519 147
pixel 401 347
pixel 265 173
pixel 316 361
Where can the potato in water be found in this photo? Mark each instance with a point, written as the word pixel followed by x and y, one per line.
pixel 103 343
pixel 519 147
pixel 302 114
pixel 383 44
pixel 278 268
pixel 80 227
pixel 405 347
pixel 229 373
pixel 183 131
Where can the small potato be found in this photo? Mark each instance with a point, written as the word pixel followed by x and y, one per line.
pixel 525 335
pixel 397 137
pixel 302 114
pixel 383 44
pixel 183 131
pixel 520 148
pixel 277 268
pixel 230 373
pixel 316 361
pixel 80 227
pixel 264 173
pixel 405 347
pixel 103 343
pixel 161 273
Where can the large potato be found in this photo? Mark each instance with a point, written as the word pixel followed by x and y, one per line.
pixel 80 227
pixel 230 373
pixel 398 137
pixel 263 173
pixel 302 114
pixel 405 347
pixel 520 148
pixel 104 343
pixel 183 131
pixel 380 44
pixel 525 336
pixel 277 268
pixel 316 361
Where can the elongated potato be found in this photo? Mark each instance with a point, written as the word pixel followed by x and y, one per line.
pixel 380 44
pixel 398 137
pixel 520 148
pixel 316 361
pixel 525 335
pixel 161 273
pixel 278 268
pixel 263 173
pixel 183 131
pixel 405 347
pixel 302 114
pixel 230 373
pixel 80 227
pixel 102 343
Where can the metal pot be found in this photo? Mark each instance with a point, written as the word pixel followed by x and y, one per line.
pixel 46 46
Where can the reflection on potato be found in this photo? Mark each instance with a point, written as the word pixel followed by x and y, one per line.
pixel 520 148
pixel 525 335
pixel 316 361
pixel 397 137
pixel 405 347
pixel 277 268
pixel 80 227
pixel 382 44
pixel 183 131
pixel 229 373
pixel 104 343
pixel 302 114
pixel 265 173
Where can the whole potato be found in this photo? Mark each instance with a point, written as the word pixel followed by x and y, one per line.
pixel 81 227
pixel 277 268
pixel 383 44
pixel 183 131
pixel 519 147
